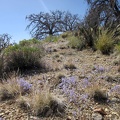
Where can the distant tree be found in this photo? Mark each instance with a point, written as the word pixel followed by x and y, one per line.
pixel 103 12
pixel 44 24
pixel 4 41
pixel 70 22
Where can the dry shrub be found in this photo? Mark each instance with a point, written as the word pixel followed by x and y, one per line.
pixel 97 92
pixel 76 42
pixel 46 104
pixel 9 90
pixel 70 66
pixel 23 102
pixel 12 88
pixel 105 42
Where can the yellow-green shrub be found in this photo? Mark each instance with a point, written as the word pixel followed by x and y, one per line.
pixel 29 42
pixel 105 42
pixel 117 47
pixel 76 43
pixel 52 38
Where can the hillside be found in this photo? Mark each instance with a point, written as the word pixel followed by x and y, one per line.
pixel 85 83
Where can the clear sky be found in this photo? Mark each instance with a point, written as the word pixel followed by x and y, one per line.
pixel 13 13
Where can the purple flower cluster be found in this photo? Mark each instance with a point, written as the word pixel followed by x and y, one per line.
pixel 99 69
pixel 2 118
pixel 84 97
pixel 85 82
pixel 115 89
pixel 66 82
pixel 68 86
pixel 24 85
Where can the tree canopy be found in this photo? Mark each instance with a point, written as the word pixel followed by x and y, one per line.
pixel 4 41
pixel 103 12
pixel 44 24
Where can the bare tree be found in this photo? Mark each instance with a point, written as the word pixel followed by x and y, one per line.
pixel 103 12
pixel 44 24
pixel 4 41
pixel 70 22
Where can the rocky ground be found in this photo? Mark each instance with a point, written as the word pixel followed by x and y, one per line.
pixel 76 75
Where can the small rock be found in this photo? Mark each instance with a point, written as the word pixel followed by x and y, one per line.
pixel 1 114
pixel 100 111
pixel 69 118
pixel 97 116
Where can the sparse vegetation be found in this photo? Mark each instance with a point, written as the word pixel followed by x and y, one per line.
pixel 76 78
pixel 76 43
pixel 69 66
pixel 105 42
pixel 52 38
pixel 23 57
pixel 100 96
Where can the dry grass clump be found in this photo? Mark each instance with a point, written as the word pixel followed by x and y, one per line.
pixel 100 96
pixel 97 93
pixel 13 88
pixel 119 68
pixel 76 42
pixel 8 90
pixel 45 104
pixel 60 76
pixel 23 102
pixel 69 65
pixel 105 42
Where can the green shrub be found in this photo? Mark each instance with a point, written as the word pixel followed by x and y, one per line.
pixel 1 65
pixel 52 38
pixel 64 35
pixel 29 42
pixel 105 42
pixel 23 57
pixel 89 35
pixel 117 47
pixel 76 43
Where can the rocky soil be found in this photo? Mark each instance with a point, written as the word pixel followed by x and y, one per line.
pixel 99 71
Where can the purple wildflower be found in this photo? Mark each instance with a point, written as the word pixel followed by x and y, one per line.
pixel 1 118
pixel 72 96
pixel 99 68
pixel 84 97
pixel 72 80
pixel 24 85
pixel 85 82
pixel 116 89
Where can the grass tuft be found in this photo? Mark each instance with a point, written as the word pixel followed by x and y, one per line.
pixel 100 96
pixel 70 66
pixel 105 42
pixel 76 43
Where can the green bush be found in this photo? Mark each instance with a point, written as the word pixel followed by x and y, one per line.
pixel 76 43
pixel 89 35
pixel 23 57
pixel 52 38
pixel 1 65
pixel 29 42
pixel 117 47
pixel 105 42
pixel 64 35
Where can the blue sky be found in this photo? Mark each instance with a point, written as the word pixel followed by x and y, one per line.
pixel 13 13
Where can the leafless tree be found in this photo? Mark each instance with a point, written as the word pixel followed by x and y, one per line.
pixel 44 24
pixel 103 12
pixel 70 22
pixel 4 41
